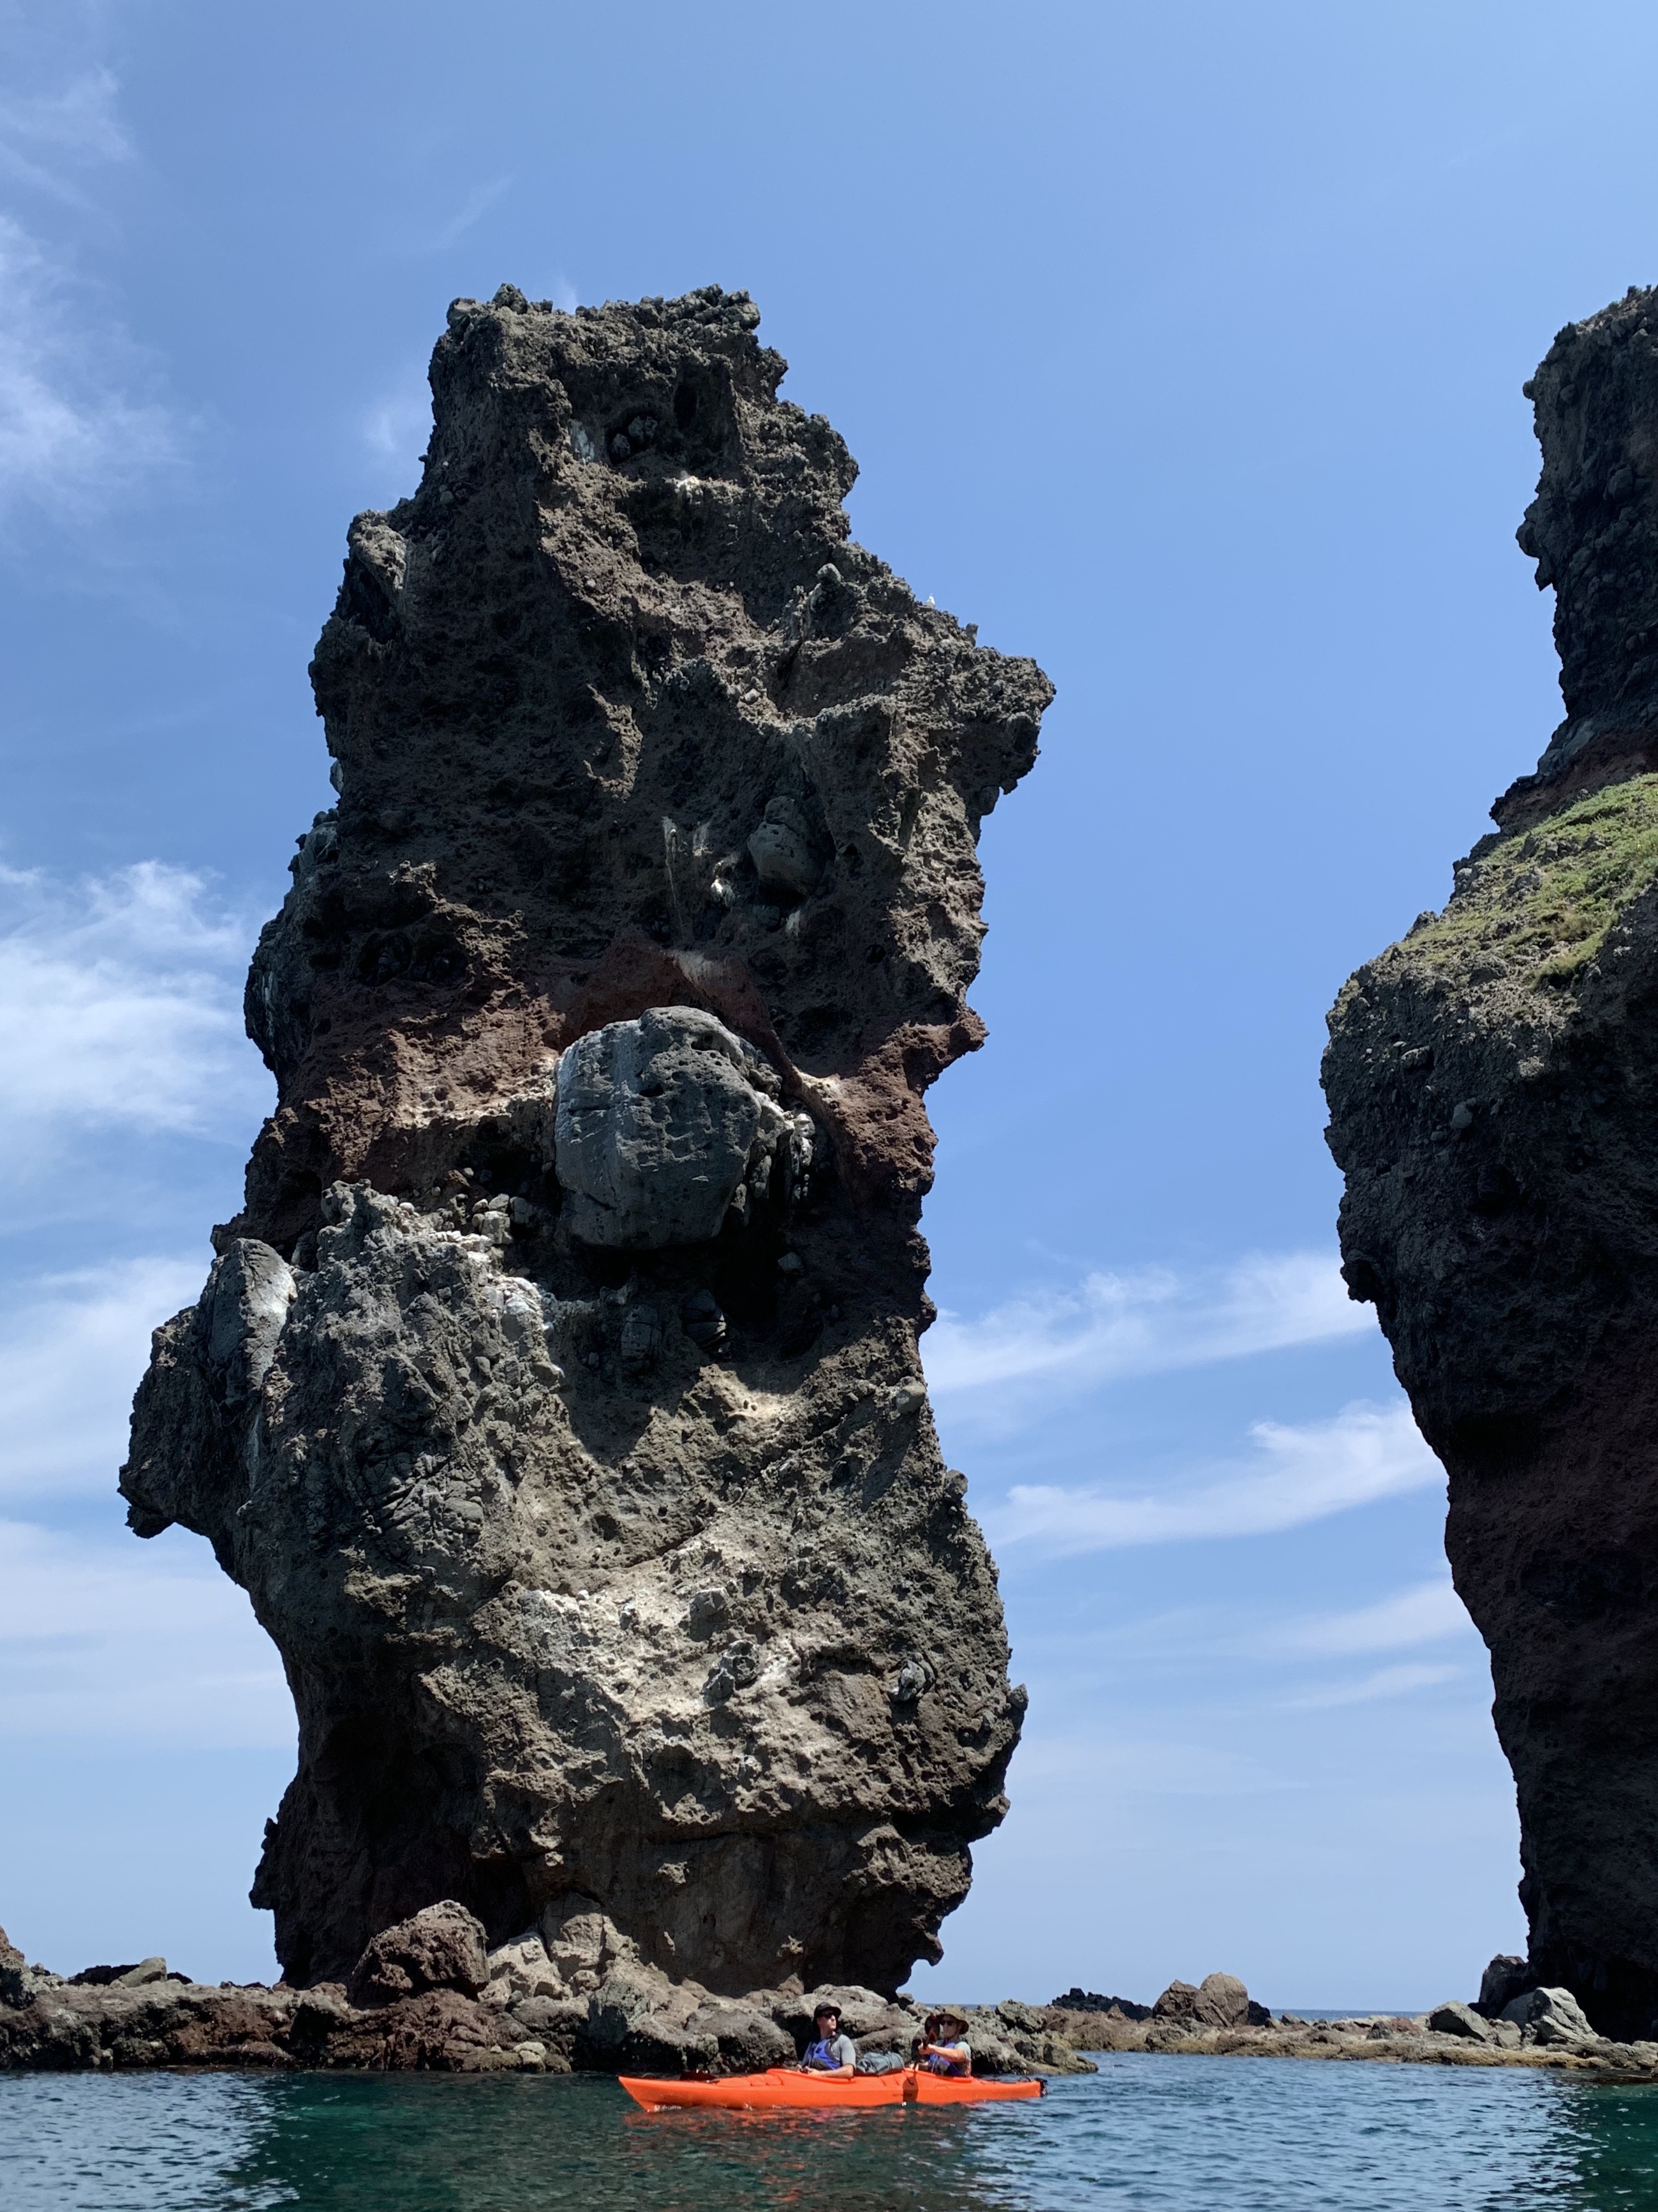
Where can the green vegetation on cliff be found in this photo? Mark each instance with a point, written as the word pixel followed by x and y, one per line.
pixel 1544 902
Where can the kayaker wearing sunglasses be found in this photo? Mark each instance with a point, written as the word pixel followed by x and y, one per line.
pixel 830 2052
pixel 942 2052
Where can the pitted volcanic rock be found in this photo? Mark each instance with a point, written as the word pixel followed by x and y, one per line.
pixel 557 1396
pixel 1493 1089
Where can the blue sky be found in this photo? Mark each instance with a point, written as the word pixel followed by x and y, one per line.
pixel 1180 346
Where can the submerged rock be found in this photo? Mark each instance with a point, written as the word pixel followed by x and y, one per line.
pixel 619 1580
pixel 1493 1088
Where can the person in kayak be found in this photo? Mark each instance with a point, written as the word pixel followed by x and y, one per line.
pixel 829 2052
pixel 944 2048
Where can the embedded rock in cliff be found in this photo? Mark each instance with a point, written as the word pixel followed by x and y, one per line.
pixel 1493 1090
pixel 557 1396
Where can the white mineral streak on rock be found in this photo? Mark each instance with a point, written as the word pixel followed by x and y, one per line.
pixel 242 1312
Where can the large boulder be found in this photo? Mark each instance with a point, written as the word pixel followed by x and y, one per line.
pixel 662 1124
pixel 874 2022
pixel 638 2021
pixel 747 2038
pixel 1456 2018
pixel 1549 2015
pixel 568 1954
pixel 1177 2002
pixel 1506 1977
pixel 1221 2001
pixel 442 1948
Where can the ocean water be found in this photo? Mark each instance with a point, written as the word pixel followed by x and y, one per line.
pixel 1165 2134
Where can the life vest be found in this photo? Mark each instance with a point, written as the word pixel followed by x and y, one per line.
pixel 822 2054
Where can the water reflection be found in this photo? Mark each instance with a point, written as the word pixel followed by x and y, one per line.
pixel 1164 2134
pixel 1606 2147
pixel 470 2146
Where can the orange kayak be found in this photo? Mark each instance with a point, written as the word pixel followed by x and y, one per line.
pixel 778 2086
pixel 782 2088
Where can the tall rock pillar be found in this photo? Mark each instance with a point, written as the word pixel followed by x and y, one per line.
pixel 557 1396
pixel 1493 1089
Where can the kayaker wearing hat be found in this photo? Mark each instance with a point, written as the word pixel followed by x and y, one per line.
pixel 944 2048
pixel 829 2053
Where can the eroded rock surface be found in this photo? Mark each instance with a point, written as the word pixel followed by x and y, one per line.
pixel 557 1396
pixel 1493 1089
pixel 574 1994
pixel 570 1995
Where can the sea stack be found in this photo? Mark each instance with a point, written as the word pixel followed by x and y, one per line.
pixel 557 1396
pixel 1493 1089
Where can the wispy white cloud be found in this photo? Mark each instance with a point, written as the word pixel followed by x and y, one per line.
pixel 1386 1682
pixel 72 1348
pixel 140 1642
pixel 399 424
pixel 1115 1326
pixel 481 198
pixel 1296 1475
pixel 120 1006
pixel 1237 1627
pixel 76 430
pixel 42 134
pixel 82 425
pixel 1427 1612
pixel 120 1015
pixel 1089 1765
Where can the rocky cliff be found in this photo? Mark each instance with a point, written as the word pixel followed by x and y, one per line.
pixel 557 1396
pixel 1493 1089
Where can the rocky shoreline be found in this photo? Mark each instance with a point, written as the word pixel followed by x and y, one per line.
pixel 426 1995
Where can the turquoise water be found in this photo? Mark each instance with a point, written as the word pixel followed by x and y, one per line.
pixel 1171 2135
